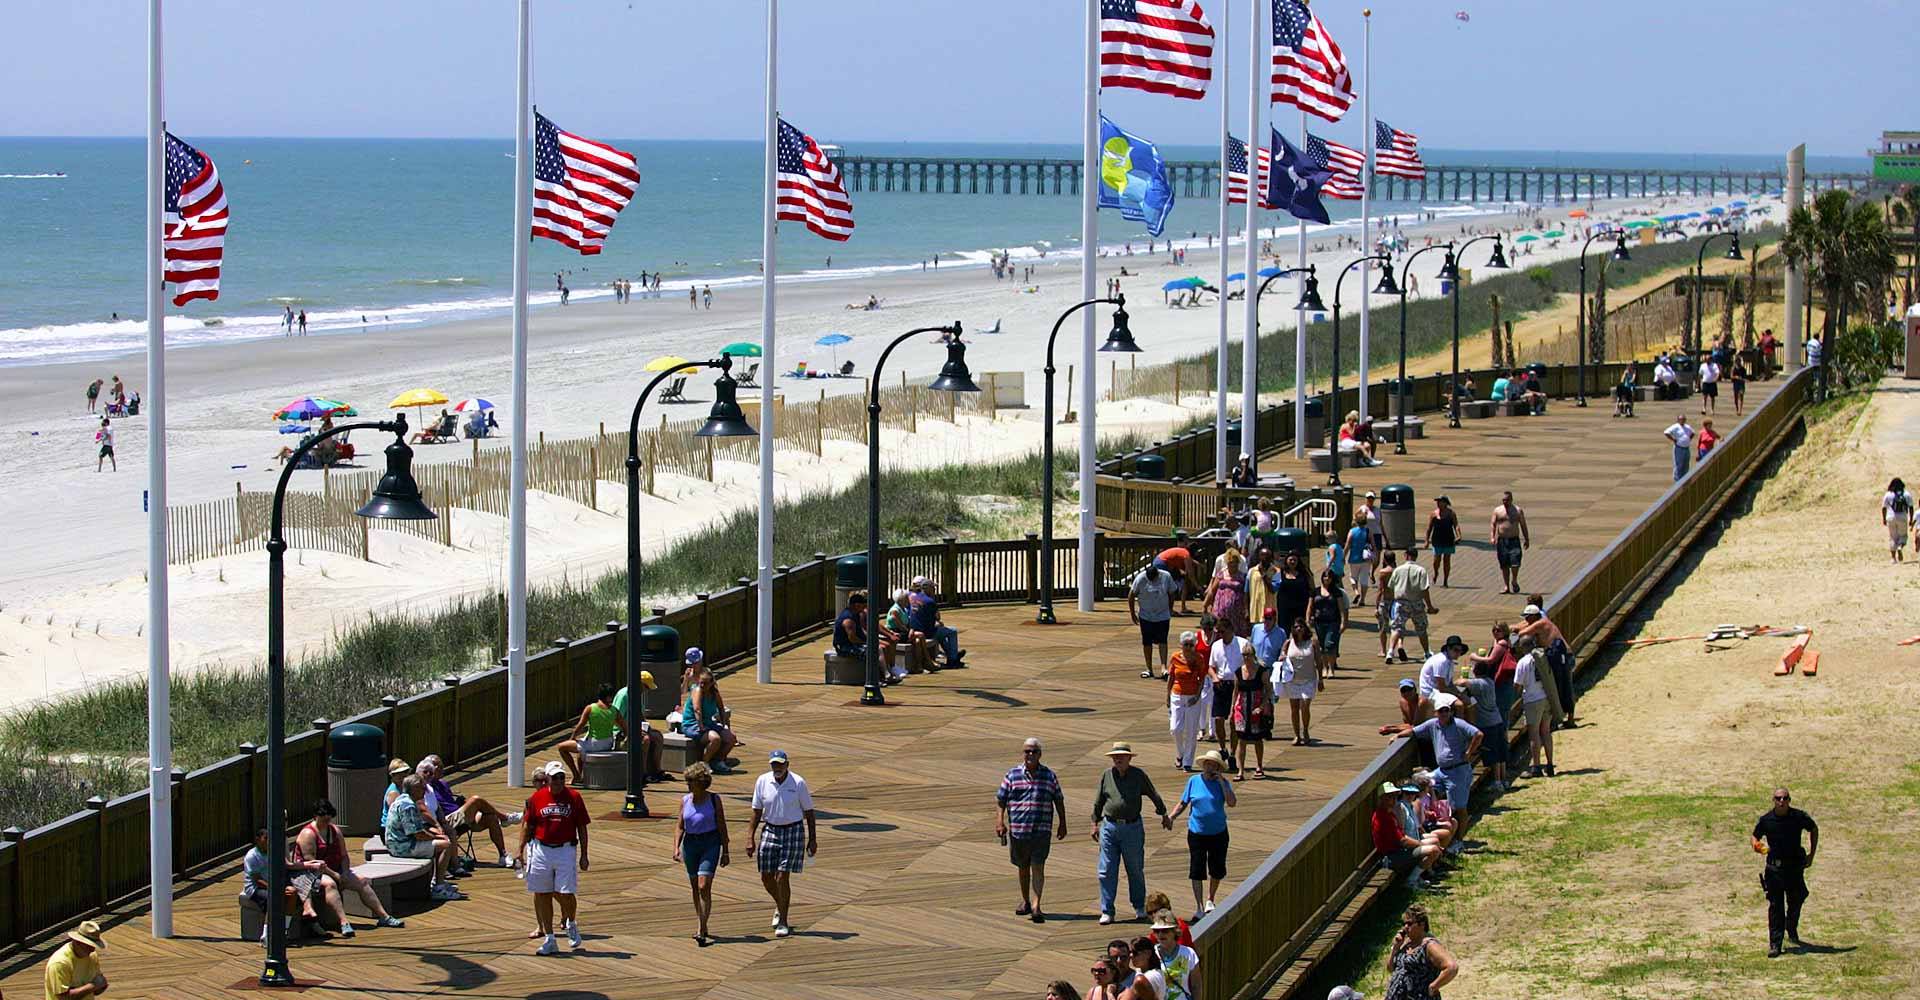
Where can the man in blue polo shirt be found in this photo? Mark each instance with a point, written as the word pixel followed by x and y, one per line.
pixel 923 611
pixel 1455 742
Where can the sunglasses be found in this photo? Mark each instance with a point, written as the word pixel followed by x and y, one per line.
pixel 1782 798
pixel 1029 749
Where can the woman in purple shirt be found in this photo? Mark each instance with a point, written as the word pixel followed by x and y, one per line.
pixel 700 841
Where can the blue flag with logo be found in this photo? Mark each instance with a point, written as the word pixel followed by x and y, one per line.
pixel 1295 180
pixel 1133 177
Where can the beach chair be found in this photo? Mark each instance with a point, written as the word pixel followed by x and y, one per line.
pixel 846 369
pixel 675 392
pixel 748 379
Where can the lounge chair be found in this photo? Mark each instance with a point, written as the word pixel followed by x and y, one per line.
pixel 846 369
pixel 748 378
pixel 675 392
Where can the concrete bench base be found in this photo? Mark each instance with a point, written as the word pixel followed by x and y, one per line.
pixel 1322 461
pixel 1478 409
pixel 1388 430
pixel 1516 408
pixel 393 879
pixel 374 847
pixel 676 751
pixel 846 670
pixel 253 920
pixel 604 770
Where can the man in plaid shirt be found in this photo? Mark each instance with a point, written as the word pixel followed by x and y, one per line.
pixel 1029 798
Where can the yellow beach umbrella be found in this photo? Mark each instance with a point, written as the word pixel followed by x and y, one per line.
pixel 665 362
pixel 418 398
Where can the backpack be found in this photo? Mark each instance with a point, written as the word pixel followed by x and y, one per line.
pixel 1903 503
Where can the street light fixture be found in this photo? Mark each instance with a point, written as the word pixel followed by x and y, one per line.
pixel 1620 252
pixel 1451 272
pixel 1406 271
pixel 1700 277
pixel 396 498
pixel 1119 341
pixel 723 420
pixel 1333 445
pixel 954 377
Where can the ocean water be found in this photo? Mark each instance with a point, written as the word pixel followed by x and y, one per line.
pixel 390 232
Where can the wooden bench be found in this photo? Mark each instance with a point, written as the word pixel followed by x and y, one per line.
pixel 392 879
pixel 604 770
pixel 847 670
pixel 920 657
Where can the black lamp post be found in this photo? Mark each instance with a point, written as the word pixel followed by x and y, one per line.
pixel 397 497
pixel 1620 252
pixel 1700 277
pixel 724 420
pixel 1119 341
pixel 1333 445
pixel 1451 272
pixel 954 377
pixel 1309 302
pixel 1386 281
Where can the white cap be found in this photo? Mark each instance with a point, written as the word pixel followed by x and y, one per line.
pixel 695 654
pixel 1441 700
pixel 919 581
pixel 1532 609
pixel 1345 993
pixel 553 767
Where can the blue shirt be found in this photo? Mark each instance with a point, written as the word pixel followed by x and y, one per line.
pixel 1357 544
pixel 1337 559
pixel 1449 742
pixel 1267 643
pixel 1207 801
pixel 1500 388
pixel 922 612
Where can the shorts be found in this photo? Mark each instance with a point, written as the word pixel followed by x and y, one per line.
pixel 1711 390
pixel 1206 855
pixel 701 853
pixel 1536 711
pixel 782 848
pixel 1897 533
pixel 552 869
pixel 1414 612
pixel 1153 633
pixel 1223 703
pixel 1025 852
pixel 1494 749
pixel 1400 861
pixel 591 745
pixel 1329 637
pixel 1509 550
pixel 414 848
pixel 106 451
pixel 1443 550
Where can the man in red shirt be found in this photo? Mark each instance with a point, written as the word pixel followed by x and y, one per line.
pixel 553 852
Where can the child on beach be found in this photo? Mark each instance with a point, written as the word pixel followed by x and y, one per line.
pixel 104 436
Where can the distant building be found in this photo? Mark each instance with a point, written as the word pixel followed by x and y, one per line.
pixel 1898 158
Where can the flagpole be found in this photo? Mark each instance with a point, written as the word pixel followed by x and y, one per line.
pixel 1220 466
pixel 1250 344
pixel 763 644
pixel 1366 229
pixel 1300 340
pixel 1089 564
pixel 159 713
pixel 517 484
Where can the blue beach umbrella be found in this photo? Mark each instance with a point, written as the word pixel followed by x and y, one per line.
pixel 1716 210
pixel 1237 276
pixel 1737 204
pixel 1268 272
pixel 1693 215
pixel 834 340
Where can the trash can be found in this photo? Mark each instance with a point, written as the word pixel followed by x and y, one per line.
pixel 660 650
pixel 1399 396
pixel 1396 515
pixel 1287 540
pixel 1150 466
pixel 1316 429
pixel 849 575
pixel 357 776
pixel 1233 431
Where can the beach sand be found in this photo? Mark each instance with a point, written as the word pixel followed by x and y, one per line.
pixel 73 598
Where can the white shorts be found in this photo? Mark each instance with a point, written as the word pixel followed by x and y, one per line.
pixel 1897 532
pixel 591 745
pixel 552 869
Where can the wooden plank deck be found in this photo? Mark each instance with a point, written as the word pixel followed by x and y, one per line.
pixel 911 894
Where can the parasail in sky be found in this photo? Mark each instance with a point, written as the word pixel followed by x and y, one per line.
pixel 1462 16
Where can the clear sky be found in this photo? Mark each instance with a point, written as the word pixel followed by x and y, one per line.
pixel 1753 76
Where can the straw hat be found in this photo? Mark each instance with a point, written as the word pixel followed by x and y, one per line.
pixel 88 933
pixel 1121 750
pixel 1213 757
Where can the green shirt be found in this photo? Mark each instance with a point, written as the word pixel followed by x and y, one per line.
pixel 1119 797
pixel 599 722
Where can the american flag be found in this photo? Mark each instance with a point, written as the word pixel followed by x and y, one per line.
pixel 1237 171
pixel 194 224
pixel 579 186
pixel 1345 162
pixel 1163 46
pixel 1396 152
pixel 810 188
pixel 1308 70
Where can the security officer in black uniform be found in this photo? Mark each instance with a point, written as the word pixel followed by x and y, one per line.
pixel 1777 835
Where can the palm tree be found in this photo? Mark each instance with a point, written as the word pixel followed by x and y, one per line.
pixel 1847 248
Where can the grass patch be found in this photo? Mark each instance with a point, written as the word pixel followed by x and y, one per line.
pixel 104 731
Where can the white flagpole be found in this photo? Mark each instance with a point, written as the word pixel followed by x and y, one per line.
pixel 763 646
pixel 1220 464
pixel 1250 345
pixel 517 485
pixel 159 672
pixel 1366 229
pixel 1300 339
pixel 1089 247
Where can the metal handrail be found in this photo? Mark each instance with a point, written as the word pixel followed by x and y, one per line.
pixel 1326 512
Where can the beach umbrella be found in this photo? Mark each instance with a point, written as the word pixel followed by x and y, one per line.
pixel 742 349
pixel 1716 210
pixel 1552 234
pixel 834 340
pixel 1693 215
pixel 314 407
pixel 665 362
pixel 418 398
pixel 1639 224
pixel 1237 276
pixel 470 405
pixel 1268 272
pixel 1578 213
pixel 1529 238
pixel 1737 204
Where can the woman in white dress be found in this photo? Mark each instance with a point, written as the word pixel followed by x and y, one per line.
pixel 1298 679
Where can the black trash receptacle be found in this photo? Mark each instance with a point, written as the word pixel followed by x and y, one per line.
pixel 357 776
pixel 1396 515
pixel 1316 429
pixel 849 575
pixel 1285 540
pixel 1150 467
pixel 1233 436
pixel 660 650
pixel 1399 395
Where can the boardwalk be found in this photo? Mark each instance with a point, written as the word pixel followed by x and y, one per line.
pixel 911 894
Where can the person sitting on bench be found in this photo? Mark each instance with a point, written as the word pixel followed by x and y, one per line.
pixel 457 812
pixel 305 885
pixel 408 834
pixel 1666 383
pixel 1466 387
pixel 704 720
pixel 850 628
pixel 597 721
pixel 1532 392
pixel 1349 439
pixel 923 610
pixel 651 739
pixel 895 633
pixel 320 851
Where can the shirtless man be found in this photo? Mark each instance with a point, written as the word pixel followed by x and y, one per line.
pixel 1510 537
pixel 1559 677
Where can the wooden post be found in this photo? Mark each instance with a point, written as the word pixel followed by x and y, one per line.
pixel 1113 380
pixel 950 570
pixel 952 398
pixel 1033 567
pixel 709 442
pixel 650 465
pixel 1069 418
pixel 819 426
pixel 476 451
pixel 593 474
pixel 913 405
pixel 363 538
pixel 1176 383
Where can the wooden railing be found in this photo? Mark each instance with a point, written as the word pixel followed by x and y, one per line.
pixel 1156 507
pixel 1283 904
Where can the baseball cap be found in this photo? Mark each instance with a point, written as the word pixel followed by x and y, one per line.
pixel 919 581
pixel 694 655
pixel 1345 993
pixel 777 757
pixel 1441 700
pixel 646 680
pixel 1389 788
pixel 1531 610
pixel 553 767
pixel 1407 684
pixel 1371 495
